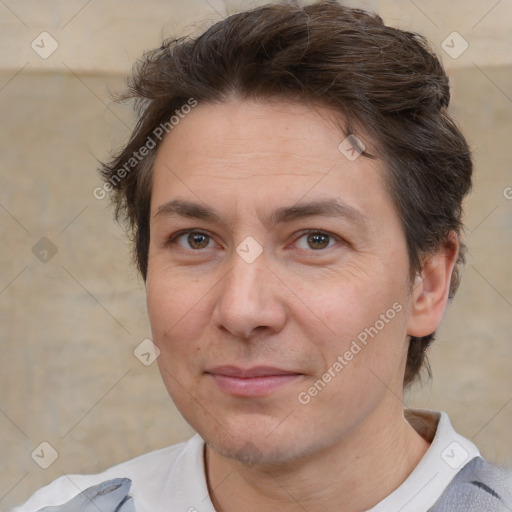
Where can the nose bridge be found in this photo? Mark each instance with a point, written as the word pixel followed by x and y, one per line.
pixel 245 284
pixel 247 296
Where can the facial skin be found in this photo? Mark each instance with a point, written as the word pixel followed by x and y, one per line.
pixel 297 307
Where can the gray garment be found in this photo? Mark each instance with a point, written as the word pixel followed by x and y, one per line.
pixel 477 487
pixel 109 496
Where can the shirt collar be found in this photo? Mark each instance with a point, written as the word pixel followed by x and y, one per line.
pixel 448 453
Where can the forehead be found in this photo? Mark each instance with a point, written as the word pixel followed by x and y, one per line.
pixel 262 151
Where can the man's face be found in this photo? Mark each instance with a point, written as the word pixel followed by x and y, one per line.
pixel 255 347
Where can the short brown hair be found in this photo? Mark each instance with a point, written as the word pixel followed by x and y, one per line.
pixel 385 81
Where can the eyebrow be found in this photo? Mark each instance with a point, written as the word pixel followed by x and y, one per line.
pixel 324 208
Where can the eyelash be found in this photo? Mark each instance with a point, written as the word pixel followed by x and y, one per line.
pixel 173 238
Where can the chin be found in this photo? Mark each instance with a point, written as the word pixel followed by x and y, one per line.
pixel 251 444
pixel 251 452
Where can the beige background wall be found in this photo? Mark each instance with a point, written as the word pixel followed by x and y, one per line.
pixel 69 326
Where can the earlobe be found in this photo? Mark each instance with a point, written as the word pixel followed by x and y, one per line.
pixel 431 289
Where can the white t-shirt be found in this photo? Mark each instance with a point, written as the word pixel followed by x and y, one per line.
pixel 173 479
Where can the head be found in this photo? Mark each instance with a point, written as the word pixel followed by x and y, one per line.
pixel 265 113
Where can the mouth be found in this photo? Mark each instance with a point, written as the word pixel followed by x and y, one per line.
pixel 251 382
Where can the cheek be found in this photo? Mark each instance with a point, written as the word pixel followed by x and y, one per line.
pixel 177 312
pixel 165 306
pixel 170 299
pixel 364 319
pixel 161 305
pixel 164 311
pixel 343 304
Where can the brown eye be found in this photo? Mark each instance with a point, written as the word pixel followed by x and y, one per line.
pixel 195 240
pixel 198 240
pixel 316 240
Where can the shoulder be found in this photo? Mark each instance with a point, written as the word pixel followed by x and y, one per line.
pixel 478 486
pixel 143 474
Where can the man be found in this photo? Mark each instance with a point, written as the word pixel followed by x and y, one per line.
pixel 294 190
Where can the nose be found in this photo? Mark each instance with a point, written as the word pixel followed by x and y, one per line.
pixel 249 300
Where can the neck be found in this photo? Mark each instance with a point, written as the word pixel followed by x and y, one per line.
pixel 354 475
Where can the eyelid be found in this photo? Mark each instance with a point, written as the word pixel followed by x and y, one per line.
pixel 173 238
pixel 310 231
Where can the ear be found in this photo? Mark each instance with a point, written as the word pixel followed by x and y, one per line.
pixel 431 289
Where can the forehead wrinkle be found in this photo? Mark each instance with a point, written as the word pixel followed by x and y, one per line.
pixel 251 175
pixel 327 208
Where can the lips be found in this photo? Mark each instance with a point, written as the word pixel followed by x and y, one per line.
pixel 251 382
pixel 256 371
